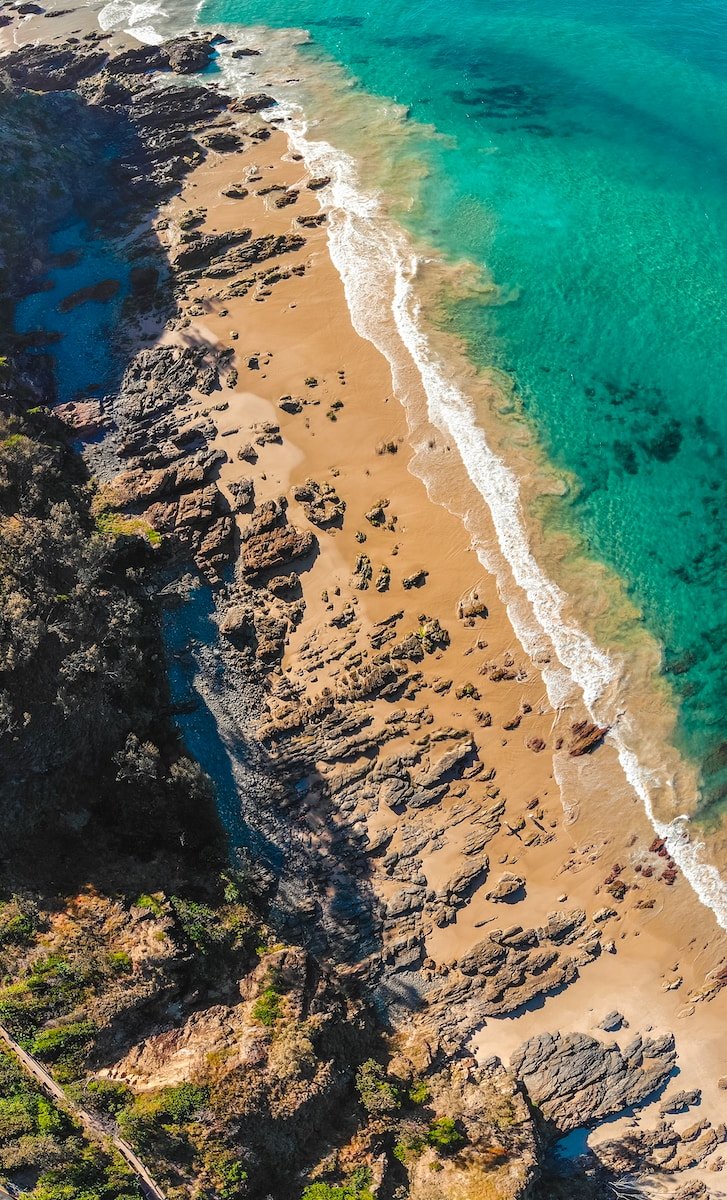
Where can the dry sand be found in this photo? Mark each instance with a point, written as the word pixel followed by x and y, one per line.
pixel 668 954
pixel 302 329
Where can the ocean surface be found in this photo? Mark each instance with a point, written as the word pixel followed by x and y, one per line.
pixel 569 162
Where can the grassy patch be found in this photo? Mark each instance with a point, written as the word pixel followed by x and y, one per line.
pixel 114 524
pixel 267 1007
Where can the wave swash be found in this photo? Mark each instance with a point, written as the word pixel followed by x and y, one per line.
pixel 378 268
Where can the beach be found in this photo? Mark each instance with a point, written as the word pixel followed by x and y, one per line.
pixel 460 797
pixel 302 331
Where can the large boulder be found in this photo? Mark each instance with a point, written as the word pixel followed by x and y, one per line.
pixel 576 1080
pixel 189 54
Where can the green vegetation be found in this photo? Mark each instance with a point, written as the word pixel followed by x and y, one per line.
pixel 35 1134
pixel 106 1096
pixel 357 1188
pixel 153 1114
pixel 267 1007
pixel 64 1046
pixel 444 1136
pixel 200 923
pixel 419 1092
pixel 407 1149
pixel 378 1096
pixel 114 524
pixel 153 903
pixel 227 1173
pixel 120 962
pixel 18 922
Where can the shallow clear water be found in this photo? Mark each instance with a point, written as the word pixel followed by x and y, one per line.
pixel 585 169
pixel 84 365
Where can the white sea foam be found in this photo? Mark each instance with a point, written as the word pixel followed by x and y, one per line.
pixel 134 18
pixel 378 269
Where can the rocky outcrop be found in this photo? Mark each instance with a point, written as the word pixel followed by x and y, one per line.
pixel 270 542
pixel 170 475
pixel 666 1149
pixel 188 55
pixel 575 1080
pixel 497 1156
pixel 254 104
pixel 46 68
pixel 185 55
pixel 198 250
pixel 100 292
pixel 585 738
pixel 85 417
pixel 319 501
pixel 228 1035
pixel 509 887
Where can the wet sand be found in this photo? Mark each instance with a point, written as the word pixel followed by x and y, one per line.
pixel 664 956
pixel 302 330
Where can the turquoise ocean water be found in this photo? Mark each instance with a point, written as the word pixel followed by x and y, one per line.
pixel 585 167
pixel 575 154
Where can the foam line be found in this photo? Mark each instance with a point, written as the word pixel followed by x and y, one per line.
pixel 378 267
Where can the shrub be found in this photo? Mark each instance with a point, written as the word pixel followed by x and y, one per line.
pixel 113 524
pixel 154 1113
pixel 90 1175
pixel 20 1012
pixel 409 1148
pixel 266 1008
pixel 183 1101
pixel 227 1172
pixel 419 1092
pixel 64 1045
pixel 200 923
pixel 120 962
pixel 328 1191
pixel 17 1116
pixel 153 903
pixel 18 922
pixel 444 1136
pixel 105 1096
pixel 378 1096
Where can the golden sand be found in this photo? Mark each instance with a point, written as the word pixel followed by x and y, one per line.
pixel 662 967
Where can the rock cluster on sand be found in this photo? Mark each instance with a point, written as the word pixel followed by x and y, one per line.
pixel 379 788
pixel 576 1080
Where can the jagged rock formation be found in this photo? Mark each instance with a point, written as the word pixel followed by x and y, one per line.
pixel 379 818
pixel 171 467
pixel 576 1080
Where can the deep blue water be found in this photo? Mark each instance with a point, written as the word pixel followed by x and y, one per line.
pixel 585 169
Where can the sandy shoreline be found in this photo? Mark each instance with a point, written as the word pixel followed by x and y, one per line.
pixel 302 330
pixel 663 957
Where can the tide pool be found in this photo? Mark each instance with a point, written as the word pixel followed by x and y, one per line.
pixel 84 363
pixel 583 168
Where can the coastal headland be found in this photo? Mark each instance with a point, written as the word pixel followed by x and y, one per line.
pixel 471 863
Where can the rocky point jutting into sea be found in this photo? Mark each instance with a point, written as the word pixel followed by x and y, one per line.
pixel 308 891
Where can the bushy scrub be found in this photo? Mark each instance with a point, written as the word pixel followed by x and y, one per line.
pixel 154 1115
pixel 444 1136
pixel 267 1007
pixel 378 1096
pixel 65 1047
pixel 19 921
pixel 36 1135
pixel 356 1188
